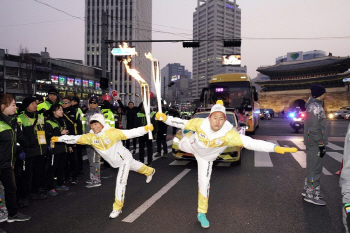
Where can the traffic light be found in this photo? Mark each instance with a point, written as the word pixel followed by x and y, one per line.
pixel 192 44
pixel 104 83
pixel 232 43
pixel 171 83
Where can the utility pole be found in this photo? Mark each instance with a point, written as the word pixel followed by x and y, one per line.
pixel 104 48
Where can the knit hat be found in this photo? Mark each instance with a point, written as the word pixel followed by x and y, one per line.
pixel 317 90
pixel 93 99
pixel 39 97
pixel 53 91
pixel 27 101
pixel 98 117
pixel 76 99
pixel 218 107
pixel 106 104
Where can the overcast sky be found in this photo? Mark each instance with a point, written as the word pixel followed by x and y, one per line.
pixel 324 25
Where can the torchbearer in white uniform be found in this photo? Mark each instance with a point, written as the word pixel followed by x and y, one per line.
pixel 211 137
pixel 107 142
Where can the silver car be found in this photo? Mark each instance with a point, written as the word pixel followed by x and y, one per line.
pixel 341 114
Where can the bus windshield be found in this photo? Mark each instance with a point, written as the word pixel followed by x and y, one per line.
pixel 233 94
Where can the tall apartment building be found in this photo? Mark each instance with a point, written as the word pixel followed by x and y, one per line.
pixel 126 20
pixel 213 20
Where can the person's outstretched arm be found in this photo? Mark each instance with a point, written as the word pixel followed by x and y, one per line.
pixel 85 139
pixel 260 145
pixel 180 123
pixel 133 133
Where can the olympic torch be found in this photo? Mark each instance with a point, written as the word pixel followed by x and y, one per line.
pixel 146 105
pixel 157 84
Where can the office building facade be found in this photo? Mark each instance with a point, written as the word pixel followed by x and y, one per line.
pixel 213 20
pixel 124 20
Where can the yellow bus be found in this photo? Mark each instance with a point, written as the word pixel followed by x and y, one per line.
pixel 236 90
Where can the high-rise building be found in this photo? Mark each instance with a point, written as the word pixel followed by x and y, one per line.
pixel 213 20
pixel 171 72
pixel 117 21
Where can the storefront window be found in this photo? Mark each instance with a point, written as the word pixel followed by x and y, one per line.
pixel 62 94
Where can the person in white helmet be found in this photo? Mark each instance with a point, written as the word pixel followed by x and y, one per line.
pixel 211 137
pixel 107 142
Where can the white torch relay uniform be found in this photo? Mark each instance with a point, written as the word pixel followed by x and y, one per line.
pixel 207 145
pixel 108 144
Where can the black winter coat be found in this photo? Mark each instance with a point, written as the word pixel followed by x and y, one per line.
pixel 10 134
pixel 54 126
pixel 131 114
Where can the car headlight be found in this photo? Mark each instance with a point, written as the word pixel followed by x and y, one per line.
pixel 296 119
pixel 176 140
pixel 330 115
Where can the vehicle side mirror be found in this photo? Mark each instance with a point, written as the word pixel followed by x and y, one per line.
pixel 242 124
pixel 202 94
pixel 255 93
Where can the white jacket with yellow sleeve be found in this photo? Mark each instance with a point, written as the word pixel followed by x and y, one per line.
pixel 208 144
pixel 107 143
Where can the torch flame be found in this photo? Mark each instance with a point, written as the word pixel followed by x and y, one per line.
pixel 133 72
pixel 149 56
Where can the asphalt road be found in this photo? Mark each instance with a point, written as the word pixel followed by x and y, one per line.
pixel 256 196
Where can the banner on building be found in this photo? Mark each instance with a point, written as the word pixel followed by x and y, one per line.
pixel 295 56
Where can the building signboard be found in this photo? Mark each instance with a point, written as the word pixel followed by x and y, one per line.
pixel 234 59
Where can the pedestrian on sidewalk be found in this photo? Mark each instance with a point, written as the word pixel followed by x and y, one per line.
pixel 107 142
pixel 315 140
pixel 211 137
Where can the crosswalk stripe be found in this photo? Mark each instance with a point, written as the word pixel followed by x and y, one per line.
pixel 326 172
pixel 299 144
pixel 336 155
pixel 262 159
pixel 300 157
pixel 334 147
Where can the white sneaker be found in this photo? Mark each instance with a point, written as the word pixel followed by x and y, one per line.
pixel 115 213
pixel 149 178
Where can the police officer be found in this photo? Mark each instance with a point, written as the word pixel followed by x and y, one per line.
pixel 107 113
pixel 74 127
pixel 144 140
pixel 32 163
pixel 50 100
pixel 75 101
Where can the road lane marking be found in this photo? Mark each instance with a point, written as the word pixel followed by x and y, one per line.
pixel 137 213
pixel 299 144
pixel 334 147
pixel 262 159
pixel 300 157
pixel 336 155
pixel 326 172
pixel 180 163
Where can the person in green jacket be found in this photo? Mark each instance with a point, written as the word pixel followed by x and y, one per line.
pixel 107 113
pixel 52 99
pixel 31 165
